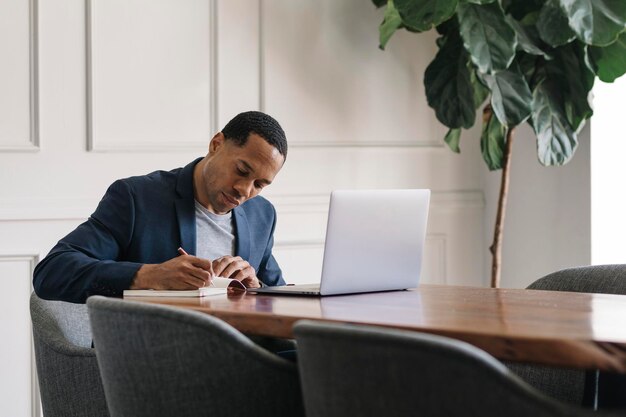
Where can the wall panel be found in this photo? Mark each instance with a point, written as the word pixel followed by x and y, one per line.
pixel 18 80
pixel 326 78
pixel 18 386
pixel 150 74
pixel 238 58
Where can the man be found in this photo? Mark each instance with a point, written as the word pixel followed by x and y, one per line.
pixel 209 209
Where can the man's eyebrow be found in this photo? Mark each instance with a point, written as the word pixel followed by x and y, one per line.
pixel 246 165
pixel 249 168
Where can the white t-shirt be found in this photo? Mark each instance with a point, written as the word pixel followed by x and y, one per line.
pixel 214 234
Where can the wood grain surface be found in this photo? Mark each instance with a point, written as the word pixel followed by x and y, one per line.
pixel 574 330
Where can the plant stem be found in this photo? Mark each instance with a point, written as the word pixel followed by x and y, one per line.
pixel 496 246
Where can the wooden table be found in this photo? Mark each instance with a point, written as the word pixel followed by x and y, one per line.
pixel 554 328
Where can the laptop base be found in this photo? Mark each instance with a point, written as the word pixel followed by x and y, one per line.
pixel 310 290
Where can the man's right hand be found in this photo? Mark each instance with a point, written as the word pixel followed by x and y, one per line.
pixel 184 272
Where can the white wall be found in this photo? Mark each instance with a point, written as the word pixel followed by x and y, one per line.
pixel 608 173
pixel 357 118
pixel 101 89
pixel 548 219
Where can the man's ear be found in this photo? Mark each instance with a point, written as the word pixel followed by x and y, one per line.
pixel 216 142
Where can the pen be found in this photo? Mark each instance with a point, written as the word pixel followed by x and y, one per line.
pixel 182 251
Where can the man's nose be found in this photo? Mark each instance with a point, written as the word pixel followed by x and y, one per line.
pixel 244 188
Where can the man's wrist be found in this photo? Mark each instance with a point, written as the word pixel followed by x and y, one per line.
pixel 141 281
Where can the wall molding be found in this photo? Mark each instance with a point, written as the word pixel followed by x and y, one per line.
pixel 438 239
pixel 35 401
pixel 424 144
pixel 46 209
pixel 33 64
pixel 302 203
pixel 299 244
pixel 93 145
pixel 457 199
pixel 31 258
pixel 315 203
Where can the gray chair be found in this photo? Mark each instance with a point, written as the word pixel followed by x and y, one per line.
pixel 69 379
pixel 164 361
pixel 349 370
pixel 569 385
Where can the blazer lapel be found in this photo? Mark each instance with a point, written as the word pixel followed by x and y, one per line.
pixel 185 209
pixel 185 212
pixel 242 245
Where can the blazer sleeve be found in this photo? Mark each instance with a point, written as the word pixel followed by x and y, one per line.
pixel 269 272
pixel 85 262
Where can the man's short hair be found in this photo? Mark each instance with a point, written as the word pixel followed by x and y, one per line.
pixel 241 126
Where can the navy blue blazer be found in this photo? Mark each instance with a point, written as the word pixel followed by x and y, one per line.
pixel 141 220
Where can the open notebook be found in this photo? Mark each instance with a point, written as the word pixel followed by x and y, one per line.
pixel 218 286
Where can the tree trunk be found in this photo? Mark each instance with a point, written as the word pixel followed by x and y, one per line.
pixel 496 246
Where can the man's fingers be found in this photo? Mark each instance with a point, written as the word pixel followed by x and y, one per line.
pixel 195 271
pixel 251 282
pixel 219 264
pixel 236 264
pixel 181 273
pixel 244 273
pixel 248 277
pixel 200 274
pixel 184 283
pixel 204 264
pixel 194 283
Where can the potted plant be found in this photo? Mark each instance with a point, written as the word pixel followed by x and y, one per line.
pixel 531 61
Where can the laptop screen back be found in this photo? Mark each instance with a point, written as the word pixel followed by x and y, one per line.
pixel 374 240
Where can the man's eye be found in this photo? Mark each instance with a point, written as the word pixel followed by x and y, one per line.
pixel 242 172
pixel 258 185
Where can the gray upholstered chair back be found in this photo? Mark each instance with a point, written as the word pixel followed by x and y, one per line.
pixel 570 385
pixel 165 361
pixel 600 279
pixel 69 379
pixel 349 370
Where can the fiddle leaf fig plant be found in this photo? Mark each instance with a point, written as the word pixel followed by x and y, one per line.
pixel 523 61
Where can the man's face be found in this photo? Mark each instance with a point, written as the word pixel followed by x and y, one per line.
pixel 230 175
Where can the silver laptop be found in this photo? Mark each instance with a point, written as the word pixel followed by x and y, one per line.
pixel 374 242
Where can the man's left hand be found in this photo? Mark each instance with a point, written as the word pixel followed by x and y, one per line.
pixel 235 267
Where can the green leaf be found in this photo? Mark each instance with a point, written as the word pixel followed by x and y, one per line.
pixel 450 25
pixel 379 3
pixel 610 62
pixel 553 25
pixel 422 15
pixel 531 19
pixel 521 9
pixel 480 91
pixel 453 138
pixel 596 22
pixel 529 65
pixel 527 37
pixel 479 1
pixel 487 37
pixel 493 142
pixel 574 79
pixel 556 141
pixel 448 85
pixel 510 96
pixel 390 24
